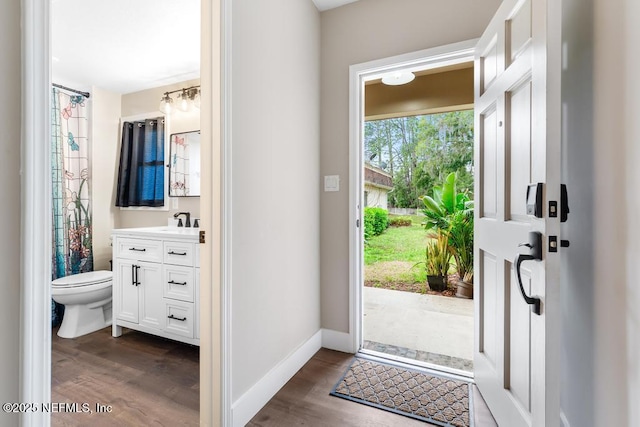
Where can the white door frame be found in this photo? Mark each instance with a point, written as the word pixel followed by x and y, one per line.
pixel 436 57
pixel 35 261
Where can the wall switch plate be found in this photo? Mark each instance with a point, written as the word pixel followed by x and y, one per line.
pixel 332 183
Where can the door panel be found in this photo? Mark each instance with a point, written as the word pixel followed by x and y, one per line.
pixel 489 65
pixel 519 146
pixel 125 295
pixel 489 164
pixel 517 142
pixel 519 30
pixel 519 327
pixel 489 300
pixel 151 301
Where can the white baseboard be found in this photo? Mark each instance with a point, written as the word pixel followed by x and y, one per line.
pixel 340 341
pixel 248 405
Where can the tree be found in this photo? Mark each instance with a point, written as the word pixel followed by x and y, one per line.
pixel 420 151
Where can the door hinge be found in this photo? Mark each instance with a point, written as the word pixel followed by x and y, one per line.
pixel 357 223
pixel 201 234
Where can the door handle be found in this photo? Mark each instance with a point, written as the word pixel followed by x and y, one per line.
pixel 134 274
pixel 535 254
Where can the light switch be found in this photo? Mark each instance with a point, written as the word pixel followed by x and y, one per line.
pixel 332 183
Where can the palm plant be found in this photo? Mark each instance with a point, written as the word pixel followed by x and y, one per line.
pixel 438 256
pixel 451 214
pixel 460 236
pixel 445 202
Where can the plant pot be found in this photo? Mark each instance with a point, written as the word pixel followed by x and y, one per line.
pixel 437 283
pixel 465 290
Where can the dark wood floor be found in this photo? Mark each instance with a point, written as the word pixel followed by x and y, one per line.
pixel 147 380
pixel 305 400
pixel 151 381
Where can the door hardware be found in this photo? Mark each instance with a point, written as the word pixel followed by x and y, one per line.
pixel 201 234
pixel 534 200
pixel 553 243
pixel 564 203
pixel 535 254
pixel 134 274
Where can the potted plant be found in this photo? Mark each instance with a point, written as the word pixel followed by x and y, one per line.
pixel 460 235
pixel 438 261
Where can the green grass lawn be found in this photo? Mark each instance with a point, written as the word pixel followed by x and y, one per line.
pixel 398 244
pixel 390 257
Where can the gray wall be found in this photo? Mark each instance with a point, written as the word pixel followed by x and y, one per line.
pixel 616 205
pixel 356 33
pixel 10 215
pixel 275 134
pixel 577 292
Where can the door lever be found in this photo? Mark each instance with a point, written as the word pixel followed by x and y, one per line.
pixel 535 254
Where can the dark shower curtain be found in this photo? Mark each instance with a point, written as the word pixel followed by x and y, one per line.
pixel 141 172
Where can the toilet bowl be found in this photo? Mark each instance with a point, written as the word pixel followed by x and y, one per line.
pixel 87 302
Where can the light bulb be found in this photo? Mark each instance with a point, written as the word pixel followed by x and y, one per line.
pixel 196 99
pixel 165 104
pixel 183 101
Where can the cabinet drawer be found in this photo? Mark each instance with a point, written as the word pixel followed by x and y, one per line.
pixel 180 319
pixel 178 282
pixel 138 249
pixel 179 253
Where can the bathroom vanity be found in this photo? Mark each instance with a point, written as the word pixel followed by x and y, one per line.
pixel 156 282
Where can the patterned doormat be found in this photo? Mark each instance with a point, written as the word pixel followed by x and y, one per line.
pixel 427 397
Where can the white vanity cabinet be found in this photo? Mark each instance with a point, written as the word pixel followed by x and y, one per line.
pixel 156 283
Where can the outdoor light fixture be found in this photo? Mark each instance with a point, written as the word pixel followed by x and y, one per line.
pixel 397 78
pixel 187 98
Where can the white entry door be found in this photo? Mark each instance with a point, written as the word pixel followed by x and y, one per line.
pixel 517 118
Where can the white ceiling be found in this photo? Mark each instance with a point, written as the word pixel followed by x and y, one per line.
pixel 125 46
pixel 323 5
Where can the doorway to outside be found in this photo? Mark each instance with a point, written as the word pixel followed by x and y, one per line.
pixel 412 138
pixel 403 315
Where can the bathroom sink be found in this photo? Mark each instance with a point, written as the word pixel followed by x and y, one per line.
pixel 172 230
pixel 161 230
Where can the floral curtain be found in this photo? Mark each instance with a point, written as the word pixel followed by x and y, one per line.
pixel 72 246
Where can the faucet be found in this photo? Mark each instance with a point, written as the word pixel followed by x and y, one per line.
pixel 187 218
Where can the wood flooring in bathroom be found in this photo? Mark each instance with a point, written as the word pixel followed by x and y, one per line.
pixel 146 380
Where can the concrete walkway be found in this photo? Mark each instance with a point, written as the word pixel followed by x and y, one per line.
pixel 427 323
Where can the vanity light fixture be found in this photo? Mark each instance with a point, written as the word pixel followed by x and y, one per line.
pixel 187 98
pixel 196 98
pixel 397 78
pixel 165 103
pixel 183 101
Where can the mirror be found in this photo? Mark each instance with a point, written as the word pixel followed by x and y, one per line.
pixel 184 164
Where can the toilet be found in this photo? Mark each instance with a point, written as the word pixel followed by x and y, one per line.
pixel 87 302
